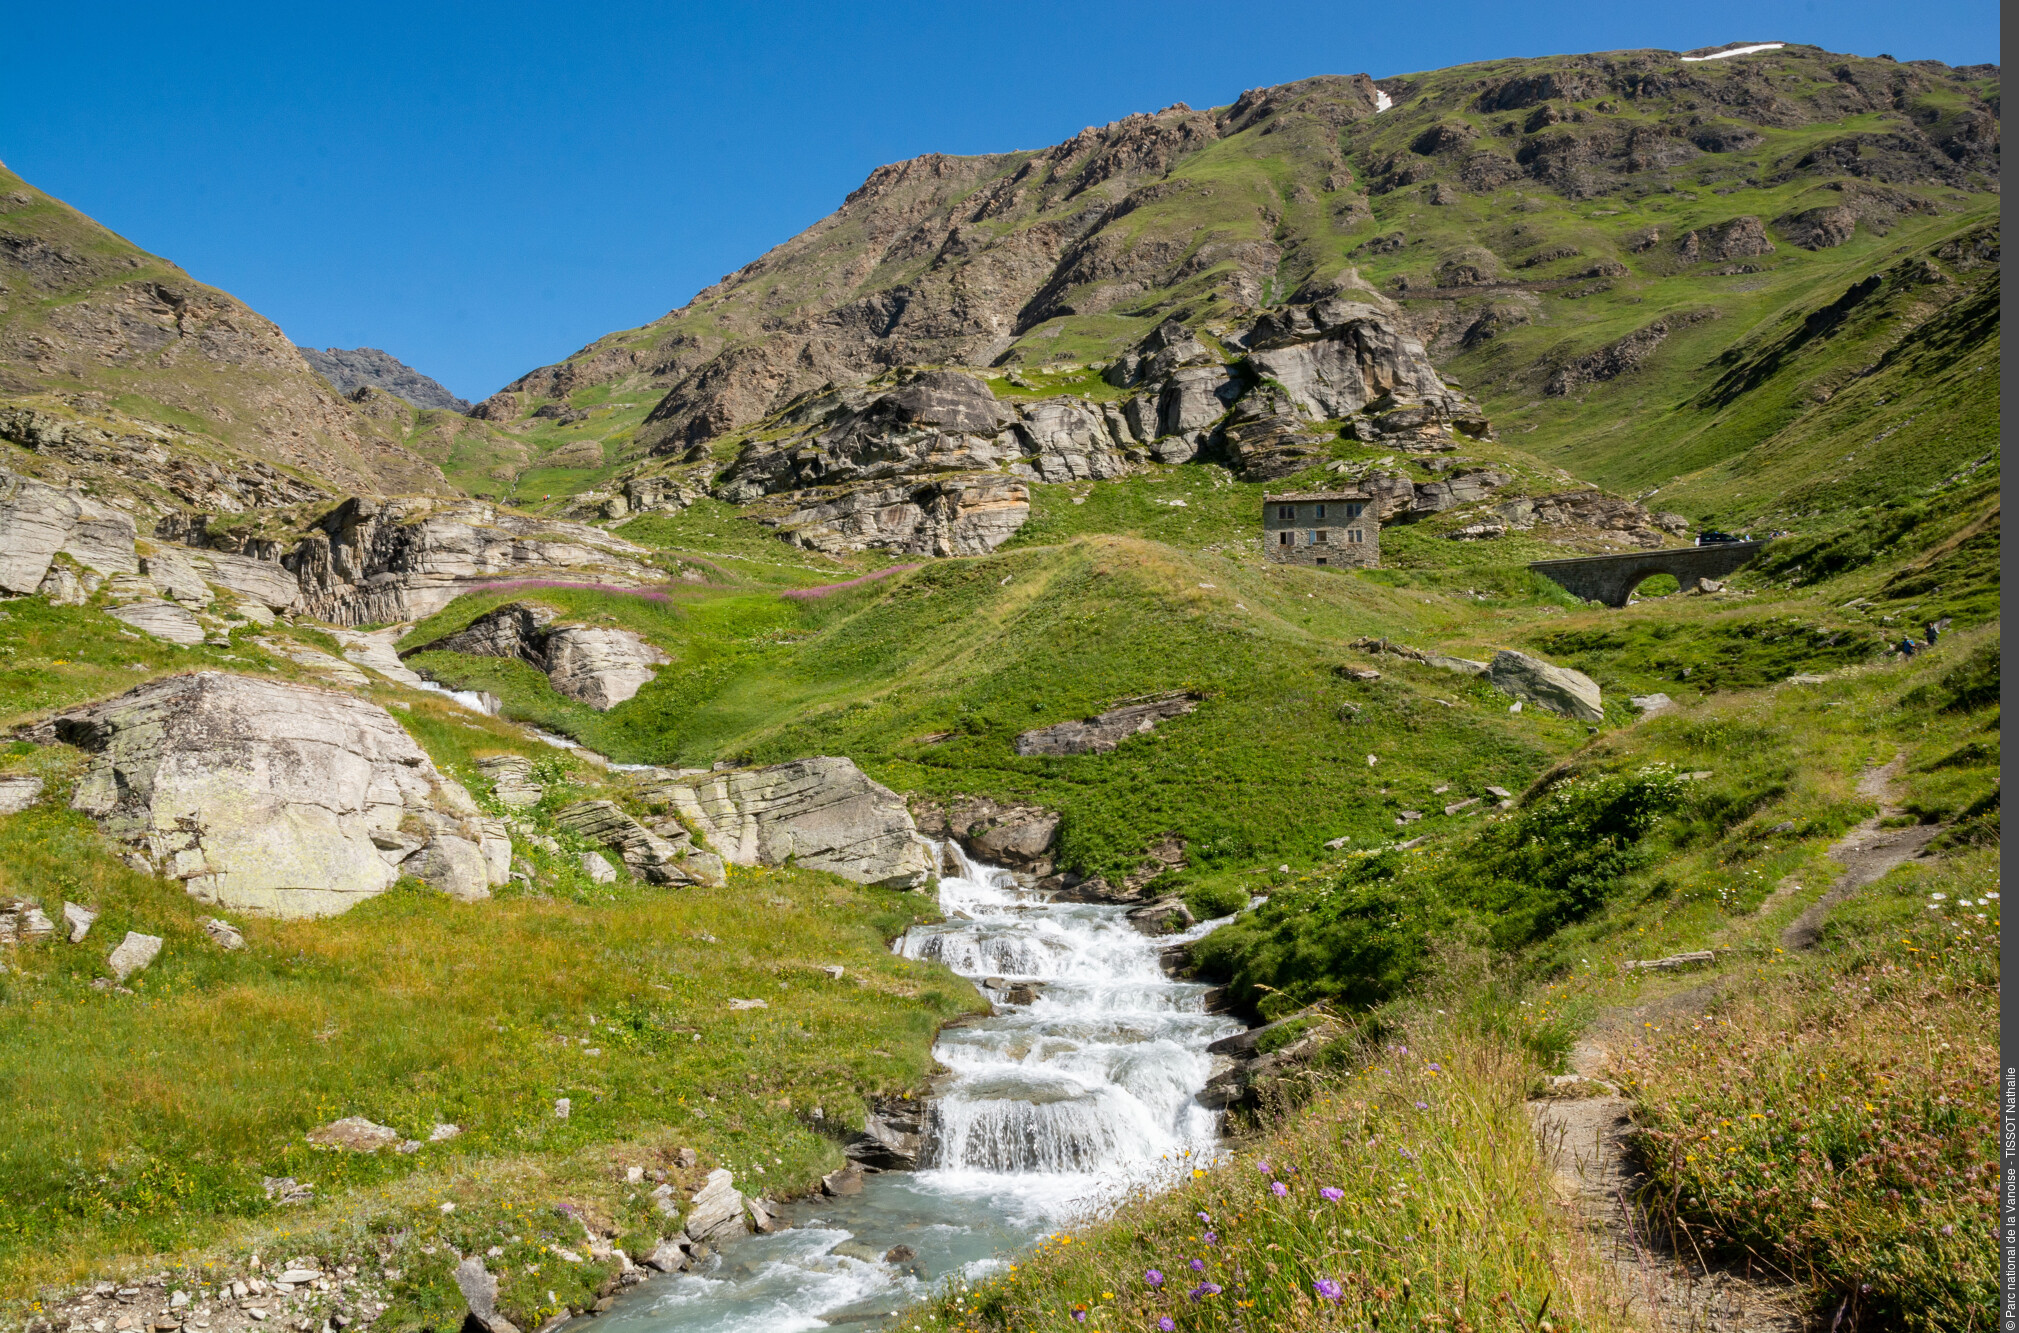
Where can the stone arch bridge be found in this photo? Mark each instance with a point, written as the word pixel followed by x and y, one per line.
pixel 1612 578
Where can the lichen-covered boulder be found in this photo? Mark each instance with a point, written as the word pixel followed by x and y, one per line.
pixel 1559 689
pixel 268 796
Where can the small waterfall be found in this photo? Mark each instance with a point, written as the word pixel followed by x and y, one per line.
pixel 1052 1107
pixel 1094 1079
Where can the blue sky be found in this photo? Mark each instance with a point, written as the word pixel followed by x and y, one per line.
pixel 483 188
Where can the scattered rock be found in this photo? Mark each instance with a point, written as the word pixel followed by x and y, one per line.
pixel 480 1293
pixel 511 778
pixel 134 953
pixel 598 868
pixel 1456 806
pixel 669 1256
pixel 899 1254
pixel 1559 689
pixel 1166 916
pixel 79 920
pixel 287 1190
pixel 748 1004
pixel 562 1107
pixel 223 934
pixel 1673 963
pixel 716 1210
pixel 847 1180
pixel 893 1135
pixel 18 791
pixel 353 1134
pixel 1101 734
pixel 1650 704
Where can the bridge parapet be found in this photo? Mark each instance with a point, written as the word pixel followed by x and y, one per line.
pixel 1611 579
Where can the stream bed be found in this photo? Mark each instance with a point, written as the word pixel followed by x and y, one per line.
pixel 1052 1108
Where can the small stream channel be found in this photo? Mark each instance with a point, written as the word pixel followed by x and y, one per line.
pixel 1051 1109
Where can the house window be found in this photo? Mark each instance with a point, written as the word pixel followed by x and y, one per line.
pixel 1320 513
pixel 1322 537
pixel 1354 536
pixel 1286 513
pixel 1286 538
pixel 1353 511
pixel 1321 559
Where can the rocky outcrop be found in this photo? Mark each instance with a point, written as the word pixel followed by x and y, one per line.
pixel 667 856
pixel 598 666
pixel 970 515
pixel 163 620
pixel 1559 689
pixel 370 560
pixel 1348 360
pixel 893 1135
pixel 821 814
pixel 274 797
pixel 39 521
pixel 1740 238
pixel 1622 355
pixel 1595 512
pixel 1098 735
pixel 1020 837
pixel 349 369
pixel 512 779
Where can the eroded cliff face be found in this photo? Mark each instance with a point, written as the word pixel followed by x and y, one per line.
pixel 933 463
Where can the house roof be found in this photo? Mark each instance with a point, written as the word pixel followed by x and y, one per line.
pixel 1316 495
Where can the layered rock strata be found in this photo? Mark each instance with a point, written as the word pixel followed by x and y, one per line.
pixel 822 813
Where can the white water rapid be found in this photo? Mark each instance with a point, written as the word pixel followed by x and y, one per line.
pixel 1051 1109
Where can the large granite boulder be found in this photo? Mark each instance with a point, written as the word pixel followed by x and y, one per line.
pixel 600 666
pixel 822 814
pixel 269 796
pixel 39 521
pixel 1559 689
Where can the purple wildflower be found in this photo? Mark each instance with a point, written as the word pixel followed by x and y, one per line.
pixel 1198 1265
pixel 1212 1238
pixel 1331 1195
pixel 1435 1068
pixel 1423 1106
pixel 1205 1289
pixel 1948 1230
pixel 811 594
pixel 1328 1290
pixel 1406 1153
pixel 1079 1316
pixel 1154 1278
pixel 1207 1218
pixel 1265 1168
pixel 1167 1324
pixel 1278 1188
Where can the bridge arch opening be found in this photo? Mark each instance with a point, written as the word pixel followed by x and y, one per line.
pixel 1655 584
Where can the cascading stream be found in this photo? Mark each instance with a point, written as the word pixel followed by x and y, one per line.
pixel 1050 1108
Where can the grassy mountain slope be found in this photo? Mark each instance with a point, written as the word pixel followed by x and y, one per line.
pixel 1527 214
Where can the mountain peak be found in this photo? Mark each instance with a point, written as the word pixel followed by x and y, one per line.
pixel 352 368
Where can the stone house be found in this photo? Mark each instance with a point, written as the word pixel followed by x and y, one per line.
pixel 1322 528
